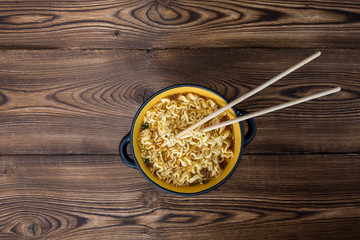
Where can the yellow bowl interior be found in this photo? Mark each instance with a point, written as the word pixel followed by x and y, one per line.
pixel 199 187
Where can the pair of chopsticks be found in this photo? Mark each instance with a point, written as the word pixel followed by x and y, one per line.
pixel 186 133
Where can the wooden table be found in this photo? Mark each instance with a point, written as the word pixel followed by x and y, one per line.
pixel 74 73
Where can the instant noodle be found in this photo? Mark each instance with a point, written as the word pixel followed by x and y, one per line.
pixel 192 160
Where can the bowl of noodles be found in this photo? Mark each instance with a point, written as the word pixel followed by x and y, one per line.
pixel 193 165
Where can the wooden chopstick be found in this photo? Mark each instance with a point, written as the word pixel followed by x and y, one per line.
pixel 271 109
pixel 185 132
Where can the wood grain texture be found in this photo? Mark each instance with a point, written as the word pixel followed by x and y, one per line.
pixel 73 74
pixel 179 24
pixel 83 102
pixel 92 197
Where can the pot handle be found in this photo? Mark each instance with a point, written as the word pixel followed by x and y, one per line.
pixel 249 136
pixel 123 154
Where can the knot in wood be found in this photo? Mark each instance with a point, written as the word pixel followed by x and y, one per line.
pixel 142 94
pixel 33 229
pixel 117 34
pixel 28 229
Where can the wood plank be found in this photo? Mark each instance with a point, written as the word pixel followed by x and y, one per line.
pixel 83 102
pixel 179 24
pixel 96 196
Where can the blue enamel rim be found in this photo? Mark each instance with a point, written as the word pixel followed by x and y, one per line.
pixel 165 189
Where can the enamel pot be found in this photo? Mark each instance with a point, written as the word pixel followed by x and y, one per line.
pixel 240 141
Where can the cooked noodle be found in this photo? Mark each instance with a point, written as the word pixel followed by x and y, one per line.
pixel 190 161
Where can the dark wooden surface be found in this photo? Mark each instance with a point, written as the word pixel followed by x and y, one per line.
pixel 179 24
pixel 97 197
pixel 74 73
